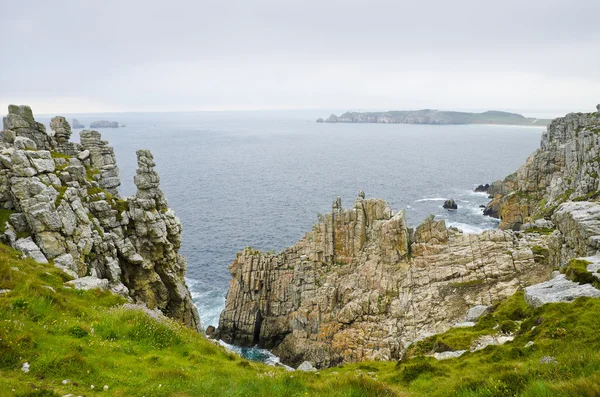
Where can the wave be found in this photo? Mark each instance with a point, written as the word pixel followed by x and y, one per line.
pixel 431 199
pixel 468 229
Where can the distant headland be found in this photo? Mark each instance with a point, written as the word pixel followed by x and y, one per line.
pixel 432 116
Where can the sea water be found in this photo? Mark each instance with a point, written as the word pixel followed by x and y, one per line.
pixel 259 179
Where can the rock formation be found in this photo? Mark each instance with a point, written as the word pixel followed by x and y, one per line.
pixel 66 208
pixel 77 125
pixel 104 124
pixel 361 285
pixel 450 205
pixel 565 167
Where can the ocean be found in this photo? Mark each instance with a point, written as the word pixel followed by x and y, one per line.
pixel 259 179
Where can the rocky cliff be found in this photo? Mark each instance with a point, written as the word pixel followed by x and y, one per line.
pixel 361 285
pixel 565 167
pixel 60 203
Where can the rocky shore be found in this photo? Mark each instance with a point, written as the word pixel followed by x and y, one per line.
pixel 363 286
pixel 60 203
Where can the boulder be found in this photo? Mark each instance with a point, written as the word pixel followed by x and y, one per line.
pixel 559 289
pixel 306 367
pixel 475 312
pixel 450 205
pixel 89 282
pixel 28 247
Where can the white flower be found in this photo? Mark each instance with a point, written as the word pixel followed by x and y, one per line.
pixel 66 381
pixel 25 367
pixel 105 387
pixel 92 387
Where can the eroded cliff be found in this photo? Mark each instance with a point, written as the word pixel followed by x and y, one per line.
pixel 361 285
pixel 60 203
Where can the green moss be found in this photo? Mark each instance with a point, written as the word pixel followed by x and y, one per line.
pixel 466 284
pixel 576 270
pixel 540 230
pixel 540 254
pixel 57 155
pixel 91 173
pixel 61 194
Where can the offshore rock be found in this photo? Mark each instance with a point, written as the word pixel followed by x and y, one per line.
pixel 64 196
pixel 361 285
pixel 450 205
pixel 77 125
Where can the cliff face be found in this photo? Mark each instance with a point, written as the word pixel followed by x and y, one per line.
pixel 565 167
pixel 62 203
pixel 361 285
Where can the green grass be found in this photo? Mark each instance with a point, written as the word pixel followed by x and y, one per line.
pixel 4 216
pixel 89 339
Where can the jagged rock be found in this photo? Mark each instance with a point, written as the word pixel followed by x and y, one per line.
pixel 320 120
pixel 450 205
pixel 559 289
pixel 482 188
pixel 28 247
pixel 475 312
pixel 104 124
pixel 77 124
pixel 306 366
pixel 62 129
pixel 71 208
pixel 360 285
pixel 564 167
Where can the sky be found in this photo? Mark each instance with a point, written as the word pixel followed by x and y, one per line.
pixel 128 55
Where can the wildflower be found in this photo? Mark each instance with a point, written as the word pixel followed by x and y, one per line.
pixel 92 387
pixel 25 367
pixel 105 387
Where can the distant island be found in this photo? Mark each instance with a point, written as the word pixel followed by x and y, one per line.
pixel 432 116
pixel 104 124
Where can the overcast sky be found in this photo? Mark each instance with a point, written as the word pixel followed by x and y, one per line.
pixel 129 55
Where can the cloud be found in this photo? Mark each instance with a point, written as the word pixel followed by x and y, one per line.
pixel 152 55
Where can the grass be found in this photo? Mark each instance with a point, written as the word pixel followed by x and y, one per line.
pixel 4 216
pixel 88 339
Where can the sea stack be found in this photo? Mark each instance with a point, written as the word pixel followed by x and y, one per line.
pixel 450 204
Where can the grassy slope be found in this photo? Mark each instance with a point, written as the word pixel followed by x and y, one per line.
pixel 86 338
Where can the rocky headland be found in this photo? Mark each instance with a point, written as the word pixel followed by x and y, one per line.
pixel 60 204
pixel 363 286
pixel 432 116
pixel 104 124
